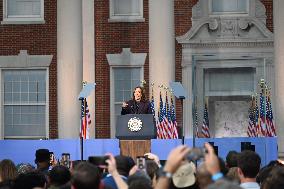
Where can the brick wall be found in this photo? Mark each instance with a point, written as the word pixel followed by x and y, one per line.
pixel 37 39
pixel 269 13
pixel 110 38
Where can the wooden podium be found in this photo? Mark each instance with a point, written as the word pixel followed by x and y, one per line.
pixel 134 148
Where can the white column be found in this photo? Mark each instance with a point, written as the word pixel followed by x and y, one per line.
pixel 161 43
pixel 89 55
pixel 69 66
pixel 187 104
pixel 278 17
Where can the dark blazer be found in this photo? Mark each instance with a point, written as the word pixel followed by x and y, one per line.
pixel 142 107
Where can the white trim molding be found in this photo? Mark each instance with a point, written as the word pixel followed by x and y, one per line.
pixel 131 17
pixel 25 61
pixel 23 19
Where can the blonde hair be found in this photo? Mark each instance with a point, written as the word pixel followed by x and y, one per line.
pixel 8 170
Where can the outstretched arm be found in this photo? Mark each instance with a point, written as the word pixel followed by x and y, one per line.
pixel 125 108
pixel 174 160
pixel 113 171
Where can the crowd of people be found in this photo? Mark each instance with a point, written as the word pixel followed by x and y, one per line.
pixel 180 170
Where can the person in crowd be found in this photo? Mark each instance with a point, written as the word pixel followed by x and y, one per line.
pixel 275 178
pixel 112 169
pixel 8 173
pixel 174 160
pixel 223 184
pixel 233 176
pixel 85 176
pixel 152 170
pixel 139 180
pixel 42 160
pixel 265 171
pixel 8 170
pixel 123 166
pixel 58 176
pixel 154 157
pixel 203 176
pixel 24 168
pixel 232 159
pixel 30 180
pixel 138 104
pixel 184 177
pixel 248 168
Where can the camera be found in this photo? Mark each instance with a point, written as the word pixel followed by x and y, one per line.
pixel 98 160
pixel 141 163
pixel 196 154
pixel 65 160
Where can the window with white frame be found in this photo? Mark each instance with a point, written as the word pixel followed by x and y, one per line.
pixel 126 72
pixel 126 11
pixel 229 6
pixel 21 11
pixel 24 102
pixel 125 80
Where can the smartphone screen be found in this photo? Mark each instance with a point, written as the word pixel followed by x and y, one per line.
pixel 51 157
pixel 65 159
pixel 141 163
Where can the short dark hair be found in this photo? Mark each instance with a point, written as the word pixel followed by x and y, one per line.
pixel 275 179
pixel 59 175
pixel 124 164
pixel 139 180
pixel 86 176
pixel 30 180
pixel 249 163
pixel 42 155
pixel 232 159
pixel 152 168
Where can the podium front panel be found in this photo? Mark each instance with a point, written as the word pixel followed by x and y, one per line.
pixel 147 131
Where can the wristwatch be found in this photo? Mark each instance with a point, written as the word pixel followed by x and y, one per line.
pixel 163 173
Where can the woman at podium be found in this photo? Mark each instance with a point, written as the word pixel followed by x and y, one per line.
pixel 138 104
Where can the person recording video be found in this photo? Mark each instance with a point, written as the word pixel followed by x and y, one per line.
pixel 138 104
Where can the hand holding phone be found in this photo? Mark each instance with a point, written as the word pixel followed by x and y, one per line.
pixel 141 163
pixel 65 160
pixel 51 158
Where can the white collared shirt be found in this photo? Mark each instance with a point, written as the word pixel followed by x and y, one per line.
pixel 250 185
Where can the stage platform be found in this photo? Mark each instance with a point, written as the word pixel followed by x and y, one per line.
pixel 23 151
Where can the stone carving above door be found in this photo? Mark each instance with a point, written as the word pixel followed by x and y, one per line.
pixel 208 28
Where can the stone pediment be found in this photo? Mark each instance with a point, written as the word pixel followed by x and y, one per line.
pixel 227 28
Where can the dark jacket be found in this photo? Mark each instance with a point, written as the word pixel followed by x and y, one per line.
pixel 142 107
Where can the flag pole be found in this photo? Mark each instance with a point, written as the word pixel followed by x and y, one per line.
pixel 81 131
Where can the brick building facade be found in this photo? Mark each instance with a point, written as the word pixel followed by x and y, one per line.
pixel 110 37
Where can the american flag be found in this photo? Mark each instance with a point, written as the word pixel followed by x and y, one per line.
pixel 205 125
pixel 252 130
pixel 173 119
pixel 262 115
pixel 86 120
pixel 257 118
pixel 167 118
pixel 269 118
pixel 160 124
